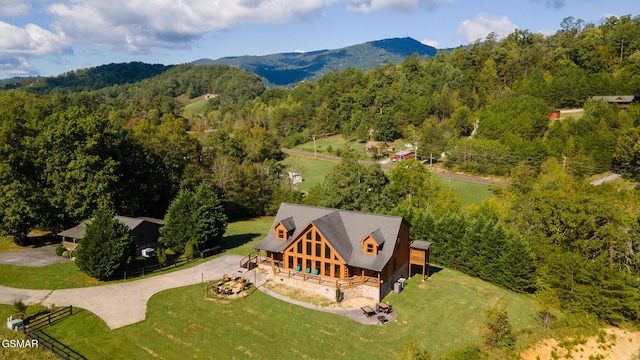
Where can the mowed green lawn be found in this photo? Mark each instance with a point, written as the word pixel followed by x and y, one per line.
pixel 313 170
pixel 239 239
pixel 443 313
pixel 469 193
pixel 338 142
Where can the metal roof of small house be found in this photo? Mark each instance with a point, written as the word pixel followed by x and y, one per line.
pixel 77 232
pixel 420 244
pixel 343 229
pixel 616 98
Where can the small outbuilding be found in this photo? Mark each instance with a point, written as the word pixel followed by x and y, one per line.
pixel 419 255
pixel 403 155
pixel 623 101
pixel 145 232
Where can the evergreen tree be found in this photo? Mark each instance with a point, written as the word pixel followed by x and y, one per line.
pixel 210 219
pixel 106 247
pixel 179 225
pixel 497 332
pixel 197 219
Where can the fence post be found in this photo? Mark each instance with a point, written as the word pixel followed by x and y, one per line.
pixel 49 318
pixel 70 309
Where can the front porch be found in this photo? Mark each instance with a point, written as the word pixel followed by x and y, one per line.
pixel 277 267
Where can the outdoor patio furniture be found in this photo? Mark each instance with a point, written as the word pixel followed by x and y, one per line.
pixel 383 307
pixel 367 310
pixel 381 319
pixel 316 272
pixel 308 271
pixel 298 268
pixel 226 278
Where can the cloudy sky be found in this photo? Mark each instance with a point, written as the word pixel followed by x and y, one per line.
pixel 50 37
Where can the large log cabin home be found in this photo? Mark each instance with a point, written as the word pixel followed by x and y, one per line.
pixel 321 249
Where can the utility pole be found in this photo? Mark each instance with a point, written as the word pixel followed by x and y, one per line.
pixel 315 153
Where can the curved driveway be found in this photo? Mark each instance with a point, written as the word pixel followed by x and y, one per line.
pixel 125 303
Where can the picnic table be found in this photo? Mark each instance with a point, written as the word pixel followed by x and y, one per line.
pixel 383 307
pixel 367 310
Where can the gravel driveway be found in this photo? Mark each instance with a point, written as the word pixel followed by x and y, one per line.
pixel 36 257
pixel 126 303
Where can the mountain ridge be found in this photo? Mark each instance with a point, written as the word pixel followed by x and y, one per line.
pixel 289 68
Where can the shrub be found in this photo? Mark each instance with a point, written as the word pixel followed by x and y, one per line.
pixel 21 308
pixel 60 249
pixel 65 253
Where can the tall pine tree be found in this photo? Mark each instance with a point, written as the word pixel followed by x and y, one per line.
pixel 106 247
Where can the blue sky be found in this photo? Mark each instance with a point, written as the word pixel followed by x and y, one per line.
pixel 50 37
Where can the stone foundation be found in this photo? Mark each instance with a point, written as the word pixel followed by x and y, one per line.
pixel 329 291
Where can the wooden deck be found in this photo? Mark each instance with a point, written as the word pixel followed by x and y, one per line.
pixel 325 280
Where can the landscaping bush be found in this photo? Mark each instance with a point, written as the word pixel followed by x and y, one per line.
pixel 65 254
pixel 60 249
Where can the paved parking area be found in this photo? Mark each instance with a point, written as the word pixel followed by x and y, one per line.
pixel 36 257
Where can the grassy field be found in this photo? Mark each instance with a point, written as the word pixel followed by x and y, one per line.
pixel 239 239
pixel 313 170
pixel 443 313
pixel 338 142
pixel 469 193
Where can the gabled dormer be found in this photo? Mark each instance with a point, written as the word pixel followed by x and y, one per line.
pixel 372 243
pixel 284 228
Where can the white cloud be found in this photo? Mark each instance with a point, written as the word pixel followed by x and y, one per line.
pixel 32 40
pixel 18 45
pixel 133 25
pixel 402 5
pixel 483 24
pixel 15 8
pixel 430 42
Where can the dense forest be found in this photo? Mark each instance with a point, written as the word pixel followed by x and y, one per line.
pixel 484 107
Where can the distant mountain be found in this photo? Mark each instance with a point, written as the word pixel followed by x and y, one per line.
pixel 290 68
pixel 87 79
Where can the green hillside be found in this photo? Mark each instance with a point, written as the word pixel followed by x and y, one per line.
pixel 291 68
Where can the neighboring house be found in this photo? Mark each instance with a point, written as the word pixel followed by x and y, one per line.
pixel 623 101
pixel 321 249
pixel 403 155
pixel 377 149
pixel 145 232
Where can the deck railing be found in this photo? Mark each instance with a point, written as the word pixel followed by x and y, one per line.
pixel 352 281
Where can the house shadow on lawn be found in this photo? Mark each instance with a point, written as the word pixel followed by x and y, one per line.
pixel 417 270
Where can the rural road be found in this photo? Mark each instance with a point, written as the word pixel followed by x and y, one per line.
pixel 446 175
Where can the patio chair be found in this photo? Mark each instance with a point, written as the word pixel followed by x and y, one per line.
pixel 316 272
pixel 298 268
pixel 308 271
